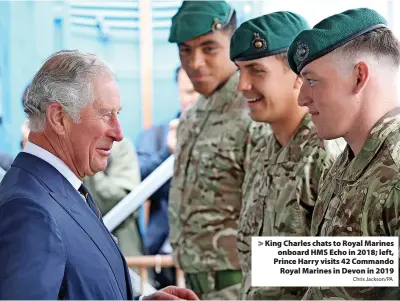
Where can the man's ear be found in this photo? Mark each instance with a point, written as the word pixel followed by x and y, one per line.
pixel 361 76
pixel 298 82
pixel 55 117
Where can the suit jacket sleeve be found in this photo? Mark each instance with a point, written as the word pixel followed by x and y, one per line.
pixel 32 256
pixel 257 131
pixel 149 156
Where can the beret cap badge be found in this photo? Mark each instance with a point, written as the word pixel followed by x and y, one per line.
pixel 216 25
pixel 302 51
pixel 259 44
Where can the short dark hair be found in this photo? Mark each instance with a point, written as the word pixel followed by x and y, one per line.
pixel 177 70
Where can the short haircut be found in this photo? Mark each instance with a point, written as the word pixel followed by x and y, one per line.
pixel 379 44
pixel 67 77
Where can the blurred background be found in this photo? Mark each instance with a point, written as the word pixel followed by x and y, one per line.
pixel 131 36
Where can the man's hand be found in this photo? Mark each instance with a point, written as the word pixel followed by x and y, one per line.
pixel 171 138
pixel 172 293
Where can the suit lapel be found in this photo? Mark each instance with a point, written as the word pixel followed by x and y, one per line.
pixel 75 206
pixel 127 278
pixel 126 268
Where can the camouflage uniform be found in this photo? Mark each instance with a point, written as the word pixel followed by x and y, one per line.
pixel 279 200
pixel 361 197
pixel 215 138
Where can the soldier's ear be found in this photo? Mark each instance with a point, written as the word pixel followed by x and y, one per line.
pixel 361 76
pixel 298 82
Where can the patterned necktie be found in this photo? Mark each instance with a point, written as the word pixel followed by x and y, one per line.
pixel 85 193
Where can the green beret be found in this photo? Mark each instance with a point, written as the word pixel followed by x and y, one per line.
pixel 196 18
pixel 330 34
pixel 267 35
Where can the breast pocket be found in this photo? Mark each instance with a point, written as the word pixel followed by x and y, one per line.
pixel 218 165
pixel 343 215
pixel 283 215
pixel 347 221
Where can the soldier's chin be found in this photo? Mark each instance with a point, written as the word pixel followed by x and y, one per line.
pixel 327 134
pixel 205 88
pixel 257 116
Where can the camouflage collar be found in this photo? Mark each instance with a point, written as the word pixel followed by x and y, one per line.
pixel 293 148
pixel 222 97
pixel 382 129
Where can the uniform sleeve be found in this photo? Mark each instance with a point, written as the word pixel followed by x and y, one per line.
pixel 257 131
pixel 318 164
pixel 182 124
pixel 175 192
pixel 121 176
pixel 390 222
pixel 31 252
pixel 181 128
pixel 389 225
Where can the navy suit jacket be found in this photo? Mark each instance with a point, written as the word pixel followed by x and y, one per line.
pixel 152 150
pixel 51 244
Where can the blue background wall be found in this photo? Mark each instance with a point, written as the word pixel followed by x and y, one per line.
pixel 30 31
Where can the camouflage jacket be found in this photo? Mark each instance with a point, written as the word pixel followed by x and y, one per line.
pixel 361 197
pixel 279 200
pixel 215 138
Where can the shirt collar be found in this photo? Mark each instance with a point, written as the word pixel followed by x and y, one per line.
pixel 224 97
pixel 56 162
pixel 304 132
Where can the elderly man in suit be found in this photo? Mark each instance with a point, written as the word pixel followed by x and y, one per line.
pixel 53 243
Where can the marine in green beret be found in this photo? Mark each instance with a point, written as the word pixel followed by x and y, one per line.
pixel 214 140
pixel 202 30
pixel 350 64
pixel 281 189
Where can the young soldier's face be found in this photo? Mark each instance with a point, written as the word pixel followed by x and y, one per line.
pixel 327 92
pixel 206 61
pixel 270 88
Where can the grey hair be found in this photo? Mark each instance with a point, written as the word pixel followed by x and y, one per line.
pixel 67 77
